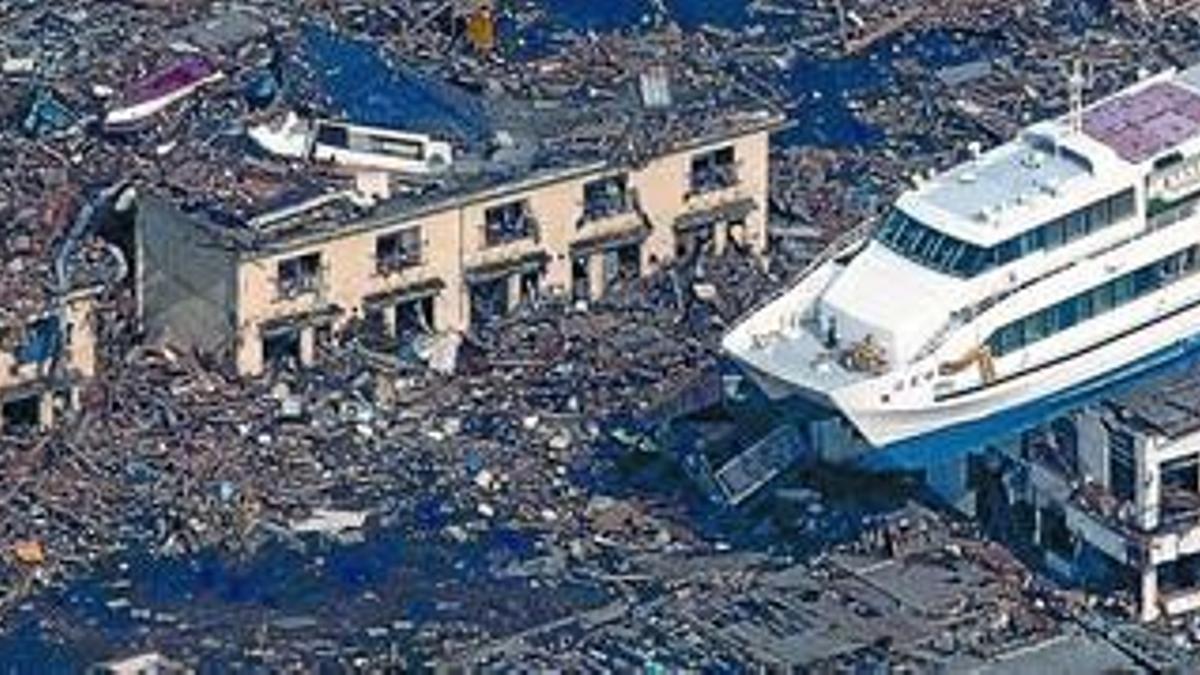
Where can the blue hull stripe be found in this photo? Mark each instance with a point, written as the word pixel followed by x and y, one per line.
pixel 945 444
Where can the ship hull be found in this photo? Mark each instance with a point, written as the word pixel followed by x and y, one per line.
pixel 1071 377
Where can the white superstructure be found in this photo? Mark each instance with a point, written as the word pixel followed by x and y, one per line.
pixel 1048 262
pixel 354 146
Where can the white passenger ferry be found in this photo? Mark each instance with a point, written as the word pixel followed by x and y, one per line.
pixel 1051 261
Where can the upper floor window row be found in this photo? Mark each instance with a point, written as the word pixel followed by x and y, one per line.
pixel 933 249
pixel 298 275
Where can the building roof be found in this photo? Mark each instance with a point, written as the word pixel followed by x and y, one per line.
pixel 508 120
pixel 1167 406
pixel 520 134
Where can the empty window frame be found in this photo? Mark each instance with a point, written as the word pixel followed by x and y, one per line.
pixel 489 300
pixel 606 197
pixel 713 170
pixel 281 347
pixel 21 416
pixel 414 317
pixel 398 250
pixel 299 275
pixel 509 222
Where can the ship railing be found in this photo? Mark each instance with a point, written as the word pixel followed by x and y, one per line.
pixel 841 245
pixel 965 315
pixel 940 335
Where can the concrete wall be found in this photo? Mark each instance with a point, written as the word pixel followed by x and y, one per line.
pixel 199 296
pixel 186 292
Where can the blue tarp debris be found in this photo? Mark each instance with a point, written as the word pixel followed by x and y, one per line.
pixel 356 79
pixel 43 340
pixel 261 89
pixel 48 115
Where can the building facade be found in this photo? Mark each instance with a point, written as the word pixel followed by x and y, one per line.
pixel 445 265
pixel 1107 496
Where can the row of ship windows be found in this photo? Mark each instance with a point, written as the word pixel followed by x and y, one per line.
pixel 922 244
pixel 1094 302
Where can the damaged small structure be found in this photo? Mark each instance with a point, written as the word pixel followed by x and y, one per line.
pixel 49 295
pixel 452 220
pixel 44 357
pixel 1110 494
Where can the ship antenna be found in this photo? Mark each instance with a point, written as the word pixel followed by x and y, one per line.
pixel 1077 82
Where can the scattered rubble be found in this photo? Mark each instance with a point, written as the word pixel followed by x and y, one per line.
pixel 511 430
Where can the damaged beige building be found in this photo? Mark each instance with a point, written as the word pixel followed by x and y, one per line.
pixel 44 359
pixel 272 289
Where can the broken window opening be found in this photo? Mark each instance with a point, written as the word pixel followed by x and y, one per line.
pixel 414 318
pixel 629 261
pixel 22 416
pixel 299 275
pixel 398 251
pixel 690 244
pixel 1056 536
pixel 1066 442
pixel 281 348
pixel 508 223
pixel 323 338
pixel 531 285
pixel 713 170
pixel 489 301
pixel 581 281
pixel 375 321
pixel 1180 575
pixel 605 198
pixel 1121 447
pixel 1180 488
pixel 1182 473
pixel 735 234
pixel 612 269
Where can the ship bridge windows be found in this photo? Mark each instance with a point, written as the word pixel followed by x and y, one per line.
pixel 922 244
pixel 1093 302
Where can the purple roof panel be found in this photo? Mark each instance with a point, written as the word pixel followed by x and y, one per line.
pixel 177 76
pixel 1138 126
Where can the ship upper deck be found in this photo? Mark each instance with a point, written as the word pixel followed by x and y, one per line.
pixel 995 188
pixel 1057 166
